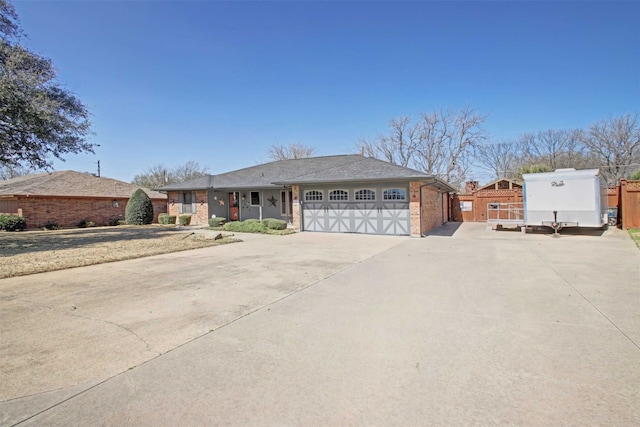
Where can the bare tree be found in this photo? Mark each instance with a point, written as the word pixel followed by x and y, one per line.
pixel 9 172
pixel 160 175
pixel 503 159
pixel 447 143
pixel 188 171
pixel 555 149
pixel 398 147
pixel 615 142
pixel 292 151
pixel 439 143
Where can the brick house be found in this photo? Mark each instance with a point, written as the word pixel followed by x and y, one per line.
pixel 68 197
pixel 343 194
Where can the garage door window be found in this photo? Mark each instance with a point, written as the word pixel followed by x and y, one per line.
pixel 313 196
pixel 394 194
pixel 338 195
pixel 365 194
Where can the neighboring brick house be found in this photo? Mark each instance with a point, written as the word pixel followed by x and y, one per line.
pixel 344 194
pixel 68 197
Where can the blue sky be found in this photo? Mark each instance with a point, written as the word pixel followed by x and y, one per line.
pixel 220 82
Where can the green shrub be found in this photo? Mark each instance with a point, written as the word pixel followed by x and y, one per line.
pixel 165 218
pixel 139 209
pixel 12 223
pixel 51 225
pixel 275 224
pixel 86 223
pixel 184 219
pixel 636 175
pixel 248 226
pixel 251 221
pixel 217 222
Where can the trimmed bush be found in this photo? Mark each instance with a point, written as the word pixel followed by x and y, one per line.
pixel 51 225
pixel 217 222
pixel 184 219
pixel 251 221
pixel 247 226
pixel 164 218
pixel 139 209
pixel 12 223
pixel 275 224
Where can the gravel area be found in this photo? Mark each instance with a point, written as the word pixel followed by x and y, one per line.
pixel 31 252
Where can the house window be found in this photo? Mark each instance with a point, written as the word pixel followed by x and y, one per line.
pixel 186 202
pixel 394 194
pixel 255 198
pixel 312 196
pixel 338 195
pixel 365 194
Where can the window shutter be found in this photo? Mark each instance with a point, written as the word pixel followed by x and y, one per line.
pixel 180 201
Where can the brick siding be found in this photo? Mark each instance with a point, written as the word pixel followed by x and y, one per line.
pixel 295 190
pixel 432 209
pixel 414 208
pixel 200 217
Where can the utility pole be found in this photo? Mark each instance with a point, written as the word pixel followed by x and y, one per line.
pixel 98 168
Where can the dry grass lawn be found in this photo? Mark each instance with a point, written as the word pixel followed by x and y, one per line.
pixel 31 252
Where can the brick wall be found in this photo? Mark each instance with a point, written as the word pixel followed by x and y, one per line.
pixel 69 211
pixel 428 208
pixel 172 203
pixel 202 208
pixel 414 209
pixel 432 212
pixel 200 217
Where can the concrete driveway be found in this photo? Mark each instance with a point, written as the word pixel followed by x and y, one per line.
pixel 474 327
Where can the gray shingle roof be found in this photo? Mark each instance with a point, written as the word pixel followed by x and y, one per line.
pixel 70 184
pixel 345 168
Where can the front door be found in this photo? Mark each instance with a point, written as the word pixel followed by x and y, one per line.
pixel 234 209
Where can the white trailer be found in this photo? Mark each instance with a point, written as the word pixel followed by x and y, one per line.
pixel 565 198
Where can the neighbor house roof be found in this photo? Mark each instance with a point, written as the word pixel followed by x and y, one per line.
pixel 312 170
pixel 70 184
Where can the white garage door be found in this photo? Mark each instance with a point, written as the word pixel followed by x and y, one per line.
pixel 320 213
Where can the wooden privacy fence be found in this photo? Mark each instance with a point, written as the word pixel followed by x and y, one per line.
pixel 474 207
pixel 630 203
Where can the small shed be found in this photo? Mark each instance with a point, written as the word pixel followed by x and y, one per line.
pixel 474 204
pixel 565 198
